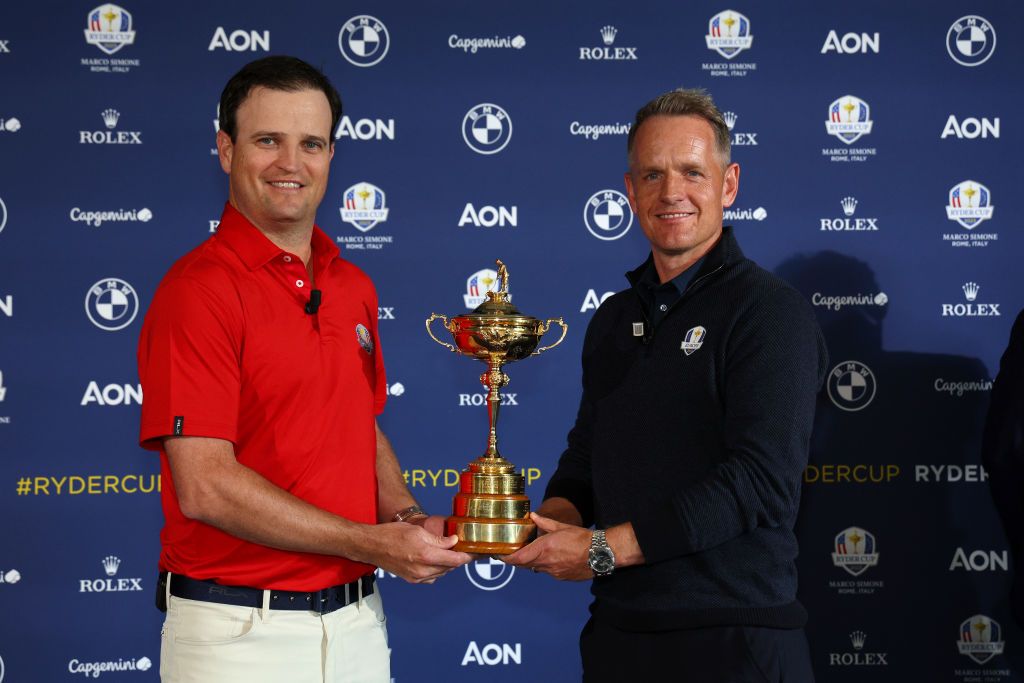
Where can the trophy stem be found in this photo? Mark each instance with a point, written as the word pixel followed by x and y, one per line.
pixel 493 380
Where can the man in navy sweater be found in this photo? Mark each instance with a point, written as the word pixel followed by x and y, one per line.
pixel 699 386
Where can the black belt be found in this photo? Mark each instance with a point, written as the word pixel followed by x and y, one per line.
pixel 322 601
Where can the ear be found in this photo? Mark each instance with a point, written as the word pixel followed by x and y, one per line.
pixel 730 184
pixel 630 191
pixel 225 150
pixel 329 158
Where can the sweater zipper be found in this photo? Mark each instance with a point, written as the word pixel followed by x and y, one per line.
pixel 691 288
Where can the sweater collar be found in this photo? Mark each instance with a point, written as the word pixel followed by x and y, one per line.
pixel 725 253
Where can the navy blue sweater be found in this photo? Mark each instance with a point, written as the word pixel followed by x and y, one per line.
pixel 703 451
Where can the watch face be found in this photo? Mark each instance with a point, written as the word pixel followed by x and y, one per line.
pixel 601 561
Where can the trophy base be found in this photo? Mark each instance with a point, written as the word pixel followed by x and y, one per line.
pixel 490 536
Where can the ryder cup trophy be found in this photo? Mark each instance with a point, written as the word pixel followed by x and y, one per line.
pixel 491 513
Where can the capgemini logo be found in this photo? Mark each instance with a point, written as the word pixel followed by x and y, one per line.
pixel 608 34
pixel 110 564
pixel 110 117
pixel 857 639
pixel 971 290
pixel 849 205
pixel 730 118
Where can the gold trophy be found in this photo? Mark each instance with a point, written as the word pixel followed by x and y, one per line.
pixel 491 513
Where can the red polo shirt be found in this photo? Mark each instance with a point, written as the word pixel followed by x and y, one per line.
pixel 228 351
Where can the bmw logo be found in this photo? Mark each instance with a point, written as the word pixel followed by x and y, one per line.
pixel 363 40
pixel 111 304
pixel 851 386
pixel 486 128
pixel 971 40
pixel 607 215
pixel 489 574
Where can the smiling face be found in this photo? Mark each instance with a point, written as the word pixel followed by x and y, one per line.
pixel 279 161
pixel 678 189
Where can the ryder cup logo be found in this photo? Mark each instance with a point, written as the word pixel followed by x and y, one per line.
pixel 851 386
pixel 489 574
pixel 729 33
pixel 607 215
pixel 971 40
pixel 363 40
pixel 693 340
pixel 477 286
pixel 854 551
pixel 111 304
pixel 849 118
pixel 486 128
pixel 981 638
pixel 109 28
pixel 970 203
pixel 364 206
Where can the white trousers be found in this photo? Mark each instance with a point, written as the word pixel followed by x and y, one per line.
pixel 205 642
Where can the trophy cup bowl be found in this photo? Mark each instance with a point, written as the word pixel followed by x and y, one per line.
pixel 491 512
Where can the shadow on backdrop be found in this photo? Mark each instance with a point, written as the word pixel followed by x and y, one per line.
pixel 894 500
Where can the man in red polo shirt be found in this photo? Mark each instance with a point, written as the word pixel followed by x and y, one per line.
pixel 262 374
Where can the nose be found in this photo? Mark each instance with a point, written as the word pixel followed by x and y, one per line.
pixel 287 158
pixel 673 188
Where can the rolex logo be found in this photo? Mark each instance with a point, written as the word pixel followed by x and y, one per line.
pixel 110 564
pixel 857 639
pixel 849 205
pixel 608 34
pixel 730 118
pixel 971 290
pixel 110 117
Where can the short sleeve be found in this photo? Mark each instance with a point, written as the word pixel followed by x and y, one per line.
pixel 189 363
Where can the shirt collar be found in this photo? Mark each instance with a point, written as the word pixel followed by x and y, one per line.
pixel 725 252
pixel 256 250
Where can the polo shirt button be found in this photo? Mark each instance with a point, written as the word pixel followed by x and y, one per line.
pixel 287 258
pixel 299 283
pixel 663 307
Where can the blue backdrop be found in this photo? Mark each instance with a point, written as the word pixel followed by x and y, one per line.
pixel 875 140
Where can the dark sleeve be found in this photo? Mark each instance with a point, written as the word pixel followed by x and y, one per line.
pixel 775 363
pixel 1002 448
pixel 572 479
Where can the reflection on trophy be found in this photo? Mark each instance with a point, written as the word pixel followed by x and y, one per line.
pixel 491 513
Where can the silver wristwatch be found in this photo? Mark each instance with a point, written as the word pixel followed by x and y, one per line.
pixel 408 513
pixel 601 557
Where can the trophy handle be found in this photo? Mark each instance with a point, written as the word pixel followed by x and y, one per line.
pixel 544 328
pixel 432 318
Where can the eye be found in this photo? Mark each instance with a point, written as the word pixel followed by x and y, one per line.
pixel 265 140
pixel 313 145
pixel 653 175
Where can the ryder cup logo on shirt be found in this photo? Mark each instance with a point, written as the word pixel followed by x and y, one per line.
pixel 109 27
pixel 486 128
pixel 855 550
pixel 364 338
pixel 607 215
pixel 970 203
pixel 489 574
pixel 693 340
pixel 849 117
pixel 111 304
pixel 477 286
pixel 971 40
pixel 729 33
pixel 851 385
pixel 981 638
pixel 363 40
